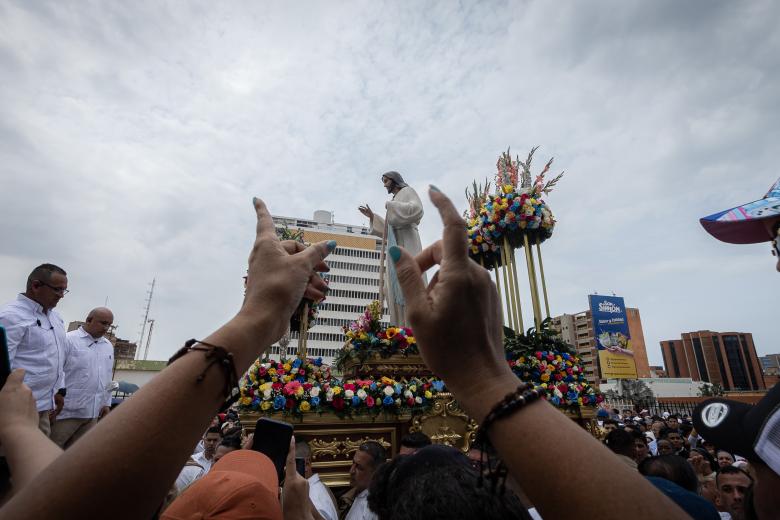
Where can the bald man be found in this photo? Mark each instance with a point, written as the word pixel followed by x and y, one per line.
pixel 88 372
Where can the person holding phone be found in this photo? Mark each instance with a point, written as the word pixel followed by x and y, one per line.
pixel 36 339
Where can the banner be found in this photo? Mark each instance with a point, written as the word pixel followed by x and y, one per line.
pixel 613 339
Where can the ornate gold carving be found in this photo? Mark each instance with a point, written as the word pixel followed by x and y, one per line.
pixel 320 448
pixel 351 446
pixel 446 423
pixel 446 436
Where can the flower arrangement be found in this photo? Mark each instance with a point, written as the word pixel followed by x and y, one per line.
pixel 542 358
pixel 297 388
pixel 367 335
pixel 514 211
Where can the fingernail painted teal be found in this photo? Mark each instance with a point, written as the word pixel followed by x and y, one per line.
pixel 394 252
pixel 331 245
pixel 254 200
pixel 434 188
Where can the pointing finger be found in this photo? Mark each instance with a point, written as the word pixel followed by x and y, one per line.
pixel 454 234
pixel 265 224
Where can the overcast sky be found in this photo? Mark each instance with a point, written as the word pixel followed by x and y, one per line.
pixel 133 136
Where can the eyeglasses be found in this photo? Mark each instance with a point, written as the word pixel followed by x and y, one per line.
pixel 59 290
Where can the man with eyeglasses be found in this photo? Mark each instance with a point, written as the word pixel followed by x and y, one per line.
pixel 36 339
pixel 88 371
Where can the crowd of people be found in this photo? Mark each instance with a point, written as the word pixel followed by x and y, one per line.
pixel 529 461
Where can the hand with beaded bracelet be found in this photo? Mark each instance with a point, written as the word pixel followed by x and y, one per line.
pixel 456 320
pixel 140 447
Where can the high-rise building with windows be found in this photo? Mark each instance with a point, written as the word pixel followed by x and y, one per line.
pixel 727 359
pixel 577 330
pixel 353 280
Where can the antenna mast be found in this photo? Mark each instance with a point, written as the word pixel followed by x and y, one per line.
pixel 148 338
pixel 149 294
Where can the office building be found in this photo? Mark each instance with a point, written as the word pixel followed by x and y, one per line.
pixel 577 330
pixel 727 359
pixel 353 280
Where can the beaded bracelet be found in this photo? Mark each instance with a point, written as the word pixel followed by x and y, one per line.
pixel 513 401
pixel 215 355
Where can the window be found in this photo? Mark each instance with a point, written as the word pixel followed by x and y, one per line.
pixel 675 364
pixel 731 346
pixel 746 352
pixel 700 360
pixel 721 364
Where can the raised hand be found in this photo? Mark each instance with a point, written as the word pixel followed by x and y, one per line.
pixel 280 275
pixel 365 210
pixel 456 319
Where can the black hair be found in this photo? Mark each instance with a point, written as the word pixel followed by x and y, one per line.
pixel 415 440
pixel 673 468
pixel 732 470
pixel 620 442
pixel 214 429
pixel 43 273
pixel 417 486
pixel 665 432
pixel 231 441
pixel 375 450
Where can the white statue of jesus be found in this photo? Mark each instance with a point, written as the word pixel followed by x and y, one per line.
pixel 404 213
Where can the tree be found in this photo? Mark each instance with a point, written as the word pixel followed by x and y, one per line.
pixel 710 390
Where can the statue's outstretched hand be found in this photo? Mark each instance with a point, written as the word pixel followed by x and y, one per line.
pixel 457 318
pixel 365 210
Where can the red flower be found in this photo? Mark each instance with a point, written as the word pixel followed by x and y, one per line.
pixel 276 386
pixel 338 403
pixel 262 371
pixel 302 372
pixel 410 401
pixel 585 400
pixel 290 403
pixel 369 401
pixel 307 386
pixel 558 377
pixel 538 355
pixel 349 386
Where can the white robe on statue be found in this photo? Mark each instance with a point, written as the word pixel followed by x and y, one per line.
pixel 404 213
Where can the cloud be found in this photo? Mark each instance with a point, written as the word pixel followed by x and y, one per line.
pixel 134 135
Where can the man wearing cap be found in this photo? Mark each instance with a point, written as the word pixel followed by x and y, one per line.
pixel 88 371
pixel 752 223
pixel 404 213
pixel 752 432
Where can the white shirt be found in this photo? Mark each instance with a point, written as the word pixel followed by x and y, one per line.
pixel 201 459
pixel 359 509
pixel 88 375
pixel 321 499
pixel 189 474
pixel 36 343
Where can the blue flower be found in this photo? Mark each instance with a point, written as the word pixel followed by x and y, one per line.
pixel 355 400
pixel 398 388
pixel 318 362
pixel 388 401
pixel 315 401
pixel 555 400
pixel 279 402
pixel 373 386
pixel 296 363
pixel 438 385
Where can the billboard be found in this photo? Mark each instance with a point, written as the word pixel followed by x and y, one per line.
pixel 613 339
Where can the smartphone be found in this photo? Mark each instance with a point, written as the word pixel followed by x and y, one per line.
pixel 272 438
pixel 300 466
pixel 5 363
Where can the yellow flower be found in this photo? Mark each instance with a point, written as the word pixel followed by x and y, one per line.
pixel 507 188
pixel 428 394
pixel 246 400
pixel 299 391
pixel 336 390
pixel 287 379
pixel 271 371
pixel 521 359
pixel 545 377
pixel 413 388
pixel 305 406
pixel 387 381
pixel 287 367
pixel 410 340
pixel 265 405
pixel 265 386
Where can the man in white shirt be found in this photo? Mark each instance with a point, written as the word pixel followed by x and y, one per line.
pixel 368 457
pixel 36 339
pixel 200 462
pixel 319 494
pixel 88 372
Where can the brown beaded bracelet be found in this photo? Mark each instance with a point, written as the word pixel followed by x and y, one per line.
pixel 215 355
pixel 513 401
